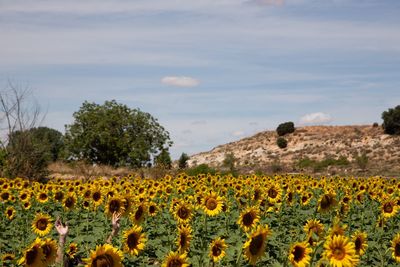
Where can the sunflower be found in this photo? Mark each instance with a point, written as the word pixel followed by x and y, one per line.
pixel 314 226
pixel 115 205
pixel 105 255
pixel 254 247
pixel 326 202
pixel 139 214
pixel 340 251
pixel 395 248
pixel 10 213
pixel 274 193
pixel 42 225
pixel 184 238
pixel 97 197
pixel 69 201
pixel 175 259
pixel 5 196
pixel 152 209
pixel 212 204
pixel 59 196
pixel 33 255
pixel 49 248
pixel 360 242
pixel 27 205
pixel 337 229
pixel 299 254
pixel 134 240
pixel 217 249
pixel 249 218
pixel 389 208
pixel 183 212
pixel 8 257
pixel 42 197
pixel 72 250
pixel 24 195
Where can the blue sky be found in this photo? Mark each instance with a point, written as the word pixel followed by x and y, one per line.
pixel 211 71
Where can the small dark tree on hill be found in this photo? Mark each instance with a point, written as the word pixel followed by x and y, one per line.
pixel 281 142
pixel 229 162
pixel 285 128
pixel 182 162
pixel 391 120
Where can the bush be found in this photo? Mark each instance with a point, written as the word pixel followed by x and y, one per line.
pixel 391 121
pixel 229 162
pixel 375 125
pixel 182 162
pixel 201 169
pixel 281 142
pixel 362 161
pixel 285 128
pixel 163 159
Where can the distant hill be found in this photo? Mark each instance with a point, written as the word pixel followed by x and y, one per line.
pixel 310 146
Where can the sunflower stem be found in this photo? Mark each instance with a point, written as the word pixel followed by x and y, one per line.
pixel 239 257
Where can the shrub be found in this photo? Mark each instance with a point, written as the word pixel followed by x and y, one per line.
pixel 285 128
pixel 281 142
pixel 182 162
pixel 362 161
pixel 201 169
pixel 375 125
pixel 391 120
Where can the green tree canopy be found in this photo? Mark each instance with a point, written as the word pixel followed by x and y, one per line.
pixel 391 120
pixel 285 128
pixel 182 162
pixel 114 134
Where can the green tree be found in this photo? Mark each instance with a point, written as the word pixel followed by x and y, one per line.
pixel 114 134
pixel 164 159
pixel 391 120
pixel 51 139
pixel 229 162
pixel 183 161
pixel 281 142
pixel 285 128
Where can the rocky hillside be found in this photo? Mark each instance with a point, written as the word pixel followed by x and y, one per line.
pixel 315 143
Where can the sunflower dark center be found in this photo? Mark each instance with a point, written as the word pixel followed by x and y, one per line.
pixel 59 196
pixel 183 213
pixel 43 196
pixel 397 249
pixel 87 194
pixel 272 193
pixel 326 202
pixel 41 224
pixel 290 196
pixel 152 209
pixel 115 206
pixel 103 261
pixel 388 208
pixel 211 204
pixel 9 213
pixel 298 253
pixel 31 256
pixel 69 202
pixel 96 196
pixel 358 243
pixel 248 219
pixel 139 213
pixel 256 244
pixel 132 241
pixel 183 239
pixel 175 263
pixel 216 250
pixel 5 196
pixel 339 253
pixel 304 199
pixel 24 196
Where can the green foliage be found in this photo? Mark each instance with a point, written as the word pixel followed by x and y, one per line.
pixel 200 169
pixel 323 164
pixel 51 139
pixel 163 159
pixel 114 134
pixel 281 142
pixel 182 162
pixel 362 161
pixel 285 128
pixel 26 156
pixel 229 162
pixel 391 121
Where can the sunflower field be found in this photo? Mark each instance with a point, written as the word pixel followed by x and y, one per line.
pixel 203 220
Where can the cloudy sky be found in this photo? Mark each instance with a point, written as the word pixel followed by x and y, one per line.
pixel 211 71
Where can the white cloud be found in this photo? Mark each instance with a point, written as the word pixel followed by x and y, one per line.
pixel 238 133
pixel 315 118
pixel 181 81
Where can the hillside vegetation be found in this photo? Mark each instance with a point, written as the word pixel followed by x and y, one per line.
pixel 342 149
